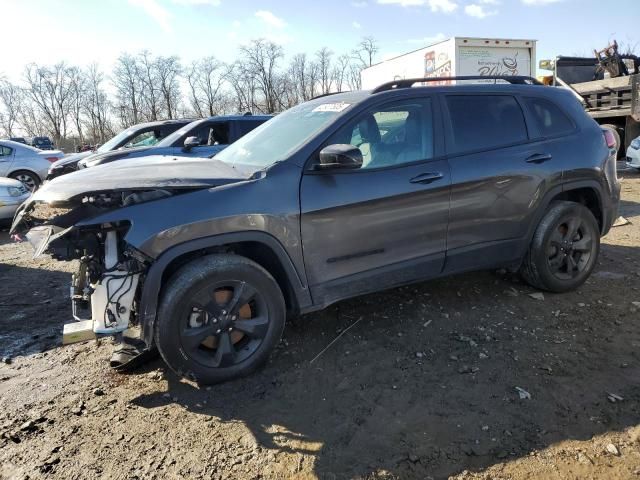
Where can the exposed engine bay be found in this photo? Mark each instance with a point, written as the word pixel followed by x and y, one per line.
pixel 86 216
pixel 105 288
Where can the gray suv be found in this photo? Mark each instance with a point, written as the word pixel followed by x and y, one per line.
pixel 337 197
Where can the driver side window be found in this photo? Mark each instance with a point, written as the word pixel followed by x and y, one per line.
pixel 394 134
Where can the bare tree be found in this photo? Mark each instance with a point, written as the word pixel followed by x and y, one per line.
pixel 77 99
pixel 49 88
pixel 260 59
pixel 11 100
pixel 323 57
pixel 128 83
pixel 366 51
pixel 206 78
pixel 340 71
pixel 71 101
pixel 243 84
pixel 353 77
pixel 96 106
pixel 167 73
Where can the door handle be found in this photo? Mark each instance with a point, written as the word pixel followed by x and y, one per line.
pixel 539 158
pixel 427 177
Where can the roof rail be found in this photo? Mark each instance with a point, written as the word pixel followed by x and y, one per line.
pixel 408 82
pixel 329 94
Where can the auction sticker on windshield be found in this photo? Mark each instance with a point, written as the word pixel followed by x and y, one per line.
pixel 331 107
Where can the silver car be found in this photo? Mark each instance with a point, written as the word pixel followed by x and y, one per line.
pixel 12 194
pixel 25 163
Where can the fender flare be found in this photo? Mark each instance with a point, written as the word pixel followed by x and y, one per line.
pixel 152 286
pixel 554 192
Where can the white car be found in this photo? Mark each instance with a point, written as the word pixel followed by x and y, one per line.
pixel 25 163
pixel 12 194
pixel 633 153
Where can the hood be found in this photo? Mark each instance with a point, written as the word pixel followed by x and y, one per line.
pixel 146 173
pixel 71 159
pixel 106 157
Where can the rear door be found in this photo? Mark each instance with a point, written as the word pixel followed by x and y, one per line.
pixel 499 173
pixel 385 223
pixel 6 158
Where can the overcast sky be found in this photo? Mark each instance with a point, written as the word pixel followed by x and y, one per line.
pixel 86 31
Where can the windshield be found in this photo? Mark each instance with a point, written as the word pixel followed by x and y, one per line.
pixel 276 139
pixel 113 143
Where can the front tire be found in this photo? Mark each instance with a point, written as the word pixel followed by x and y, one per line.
pixel 564 248
pixel 219 318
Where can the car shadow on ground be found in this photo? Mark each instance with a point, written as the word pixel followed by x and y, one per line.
pixel 34 305
pixel 425 384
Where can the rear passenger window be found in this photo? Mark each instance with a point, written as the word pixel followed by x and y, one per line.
pixel 485 122
pixel 550 120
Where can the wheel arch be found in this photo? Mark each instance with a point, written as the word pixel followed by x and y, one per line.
pixel 586 192
pixel 23 169
pixel 260 247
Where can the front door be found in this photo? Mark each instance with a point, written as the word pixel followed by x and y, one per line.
pixel 383 224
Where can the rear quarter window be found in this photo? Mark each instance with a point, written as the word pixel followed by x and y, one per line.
pixel 549 119
pixel 484 122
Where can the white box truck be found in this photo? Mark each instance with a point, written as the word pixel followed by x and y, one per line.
pixel 457 56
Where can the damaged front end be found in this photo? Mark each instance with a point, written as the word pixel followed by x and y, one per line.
pixel 105 289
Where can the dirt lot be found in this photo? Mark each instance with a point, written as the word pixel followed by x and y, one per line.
pixel 423 386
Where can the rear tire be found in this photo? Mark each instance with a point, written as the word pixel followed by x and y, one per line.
pixel 564 248
pixel 28 179
pixel 219 318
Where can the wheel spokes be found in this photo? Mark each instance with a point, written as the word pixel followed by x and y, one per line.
pixel 572 228
pixel 193 337
pixel 225 353
pixel 557 262
pixel 254 328
pixel 572 266
pixel 242 294
pixel 583 245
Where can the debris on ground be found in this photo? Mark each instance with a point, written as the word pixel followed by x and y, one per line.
pixel 524 395
pixel 620 222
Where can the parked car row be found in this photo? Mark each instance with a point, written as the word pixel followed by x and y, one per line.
pixel 42 143
pixel 200 138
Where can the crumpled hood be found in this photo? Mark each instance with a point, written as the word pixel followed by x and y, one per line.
pixel 140 174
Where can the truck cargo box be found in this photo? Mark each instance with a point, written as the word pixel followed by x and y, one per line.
pixel 457 56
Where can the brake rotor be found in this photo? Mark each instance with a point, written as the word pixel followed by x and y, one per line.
pixel 222 297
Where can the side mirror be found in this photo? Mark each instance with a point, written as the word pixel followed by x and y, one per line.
pixel 340 156
pixel 191 142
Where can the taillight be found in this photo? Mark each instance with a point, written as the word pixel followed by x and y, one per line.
pixel 609 137
pixel 52 159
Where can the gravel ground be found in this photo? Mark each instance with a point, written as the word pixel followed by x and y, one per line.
pixel 465 377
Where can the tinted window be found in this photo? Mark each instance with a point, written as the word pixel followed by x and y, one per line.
pixel 5 151
pixel 485 122
pixel 245 126
pixel 549 119
pixel 394 134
